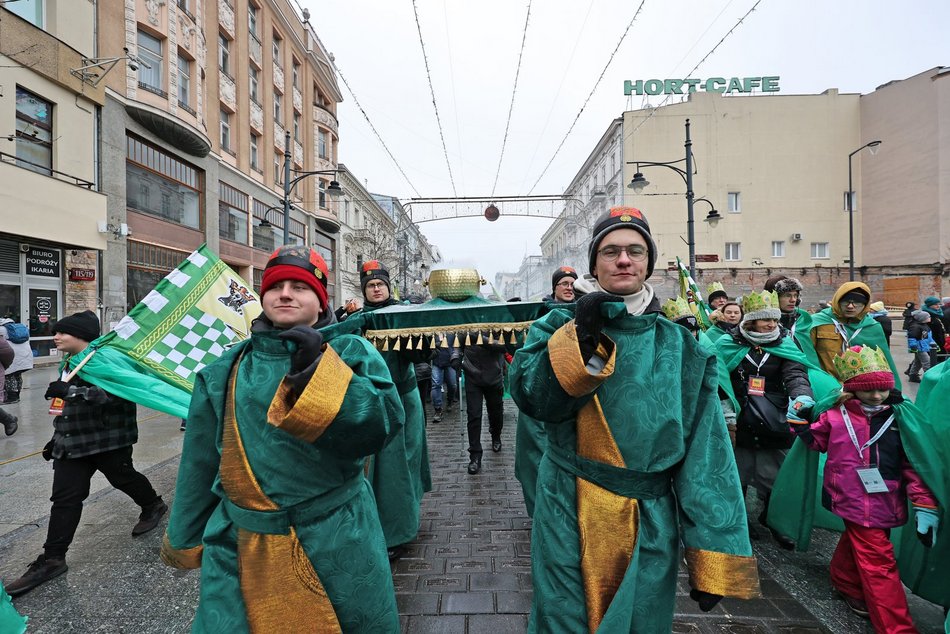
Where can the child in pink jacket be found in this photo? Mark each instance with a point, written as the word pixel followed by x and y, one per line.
pixel 867 482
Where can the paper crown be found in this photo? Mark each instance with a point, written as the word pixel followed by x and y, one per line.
pixel 715 287
pixel 676 309
pixel 763 305
pixel 860 360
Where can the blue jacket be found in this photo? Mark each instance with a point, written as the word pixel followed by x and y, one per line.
pixel 919 338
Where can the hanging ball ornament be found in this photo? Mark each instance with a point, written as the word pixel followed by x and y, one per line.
pixel 492 213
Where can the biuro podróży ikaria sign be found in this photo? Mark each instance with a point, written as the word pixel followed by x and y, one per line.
pixel 713 84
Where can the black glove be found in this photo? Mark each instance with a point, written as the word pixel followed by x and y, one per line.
pixel 57 389
pixel 456 363
pixel 589 321
pixel 89 393
pixel 705 600
pixel 48 451
pixel 304 360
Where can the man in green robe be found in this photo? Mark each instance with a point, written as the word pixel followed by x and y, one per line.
pixel 847 323
pixel 638 459
pixel 529 435
pixel 399 472
pixel 271 502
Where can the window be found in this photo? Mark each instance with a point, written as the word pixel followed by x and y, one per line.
pixel 150 52
pixel 733 251
pixel 778 249
pixel 225 130
pixel 275 50
pixel 252 19
pixel 819 251
pixel 224 54
pixel 269 238
pixel 297 126
pixel 255 152
pixel 183 5
pixel 278 98
pixel 254 77
pixel 296 75
pixel 34 132
pixel 29 10
pixel 734 204
pixel 151 174
pixel 613 165
pixel 232 214
pixel 854 201
pixel 322 144
pixel 278 169
pixel 184 81
pixel 322 197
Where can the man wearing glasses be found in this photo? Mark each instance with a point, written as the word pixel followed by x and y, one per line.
pixel 562 285
pixel 847 323
pixel 638 459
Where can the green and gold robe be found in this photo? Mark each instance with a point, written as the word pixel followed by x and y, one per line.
pixel 271 502
pixel 638 460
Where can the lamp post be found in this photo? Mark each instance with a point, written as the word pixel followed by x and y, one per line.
pixel 333 190
pixel 872 146
pixel 639 182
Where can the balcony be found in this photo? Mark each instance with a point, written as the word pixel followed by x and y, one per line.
pixel 226 17
pixel 59 207
pixel 279 78
pixel 228 91
pixel 323 117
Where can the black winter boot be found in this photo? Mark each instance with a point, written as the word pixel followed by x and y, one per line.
pixel 38 573
pixel 150 517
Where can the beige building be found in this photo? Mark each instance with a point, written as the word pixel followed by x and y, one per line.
pixel 776 167
pixel 50 201
pixel 194 137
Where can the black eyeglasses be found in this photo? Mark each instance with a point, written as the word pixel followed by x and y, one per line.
pixel 636 252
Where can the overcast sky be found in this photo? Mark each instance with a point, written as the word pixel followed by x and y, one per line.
pixel 473 48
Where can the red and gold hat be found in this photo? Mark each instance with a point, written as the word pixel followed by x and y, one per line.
pixel 373 270
pixel 300 264
pixel 623 218
pixel 561 273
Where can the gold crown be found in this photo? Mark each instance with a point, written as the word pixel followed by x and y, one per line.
pixel 676 308
pixel 850 363
pixel 755 302
pixel 712 288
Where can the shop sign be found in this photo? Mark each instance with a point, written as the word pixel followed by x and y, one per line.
pixel 82 275
pixel 707 257
pixel 43 262
pixel 713 84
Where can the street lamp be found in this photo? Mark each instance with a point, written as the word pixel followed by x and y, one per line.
pixel 333 190
pixel 639 182
pixel 872 147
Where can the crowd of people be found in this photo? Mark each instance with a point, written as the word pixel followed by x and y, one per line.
pixel 640 433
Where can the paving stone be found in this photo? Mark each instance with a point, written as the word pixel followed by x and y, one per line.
pixel 412 603
pixel 468 603
pixel 436 624
pixel 497 624
pixel 494 581
pixel 513 602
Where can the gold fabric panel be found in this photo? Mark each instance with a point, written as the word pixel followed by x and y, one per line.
pixel 607 523
pixel 569 366
pixel 184 558
pixel 723 574
pixel 319 403
pixel 281 590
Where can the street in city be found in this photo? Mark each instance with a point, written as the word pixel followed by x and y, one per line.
pixel 469 570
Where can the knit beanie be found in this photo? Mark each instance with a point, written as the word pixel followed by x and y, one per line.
pixel 84 325
pixel 863 368
pixel 622 218
pixel 373 270
pixel 876 306
pixel 921 316
pixel 931 301
pixel 561 273
pixel 300 264
pixel 857 295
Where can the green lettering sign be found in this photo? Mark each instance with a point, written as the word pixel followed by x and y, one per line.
pixel 712 84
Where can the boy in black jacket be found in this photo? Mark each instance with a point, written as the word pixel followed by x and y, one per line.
pixel 93 431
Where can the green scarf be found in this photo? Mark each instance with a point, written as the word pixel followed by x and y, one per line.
pixel 872 334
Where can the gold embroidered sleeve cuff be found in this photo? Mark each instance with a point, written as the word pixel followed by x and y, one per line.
pixel 185 558
pixel 719 573
pixel 318 405
pixel 569 366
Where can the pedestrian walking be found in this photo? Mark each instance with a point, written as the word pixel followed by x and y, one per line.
pixel 7 355
pixel 18 335
pixel 920 341
pixel 483 368
pixel 879 313
pixel 638 463
pixel 92 431
pixel 908 314
pixel 271 501
pixel 934 308
pixel 868 477
pixel 445 367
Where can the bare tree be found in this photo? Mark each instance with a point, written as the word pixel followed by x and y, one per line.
pixel 373 242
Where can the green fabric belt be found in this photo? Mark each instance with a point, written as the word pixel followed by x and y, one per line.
pixel 279 522
pixel 639 485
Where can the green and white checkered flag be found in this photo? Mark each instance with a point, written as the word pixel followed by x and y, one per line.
pixel 185 323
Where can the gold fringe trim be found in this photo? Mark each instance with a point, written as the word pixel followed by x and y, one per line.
pixel 723 574
pixel 416 338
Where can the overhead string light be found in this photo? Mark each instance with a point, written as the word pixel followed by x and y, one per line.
pixel 435 107
pixel 511 106
pixel 592 91
pixel 698 64
pixel 372 127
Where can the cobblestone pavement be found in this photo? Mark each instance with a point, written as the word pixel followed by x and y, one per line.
pixel 469 570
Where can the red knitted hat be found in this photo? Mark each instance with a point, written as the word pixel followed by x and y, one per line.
pixel 300 264
pixel 863 369
pixel 870 381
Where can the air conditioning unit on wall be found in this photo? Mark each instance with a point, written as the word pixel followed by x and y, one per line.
pixel 796 237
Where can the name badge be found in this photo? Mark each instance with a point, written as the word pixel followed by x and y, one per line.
pixel 56 407
pixel 757 385
pixel 871 480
